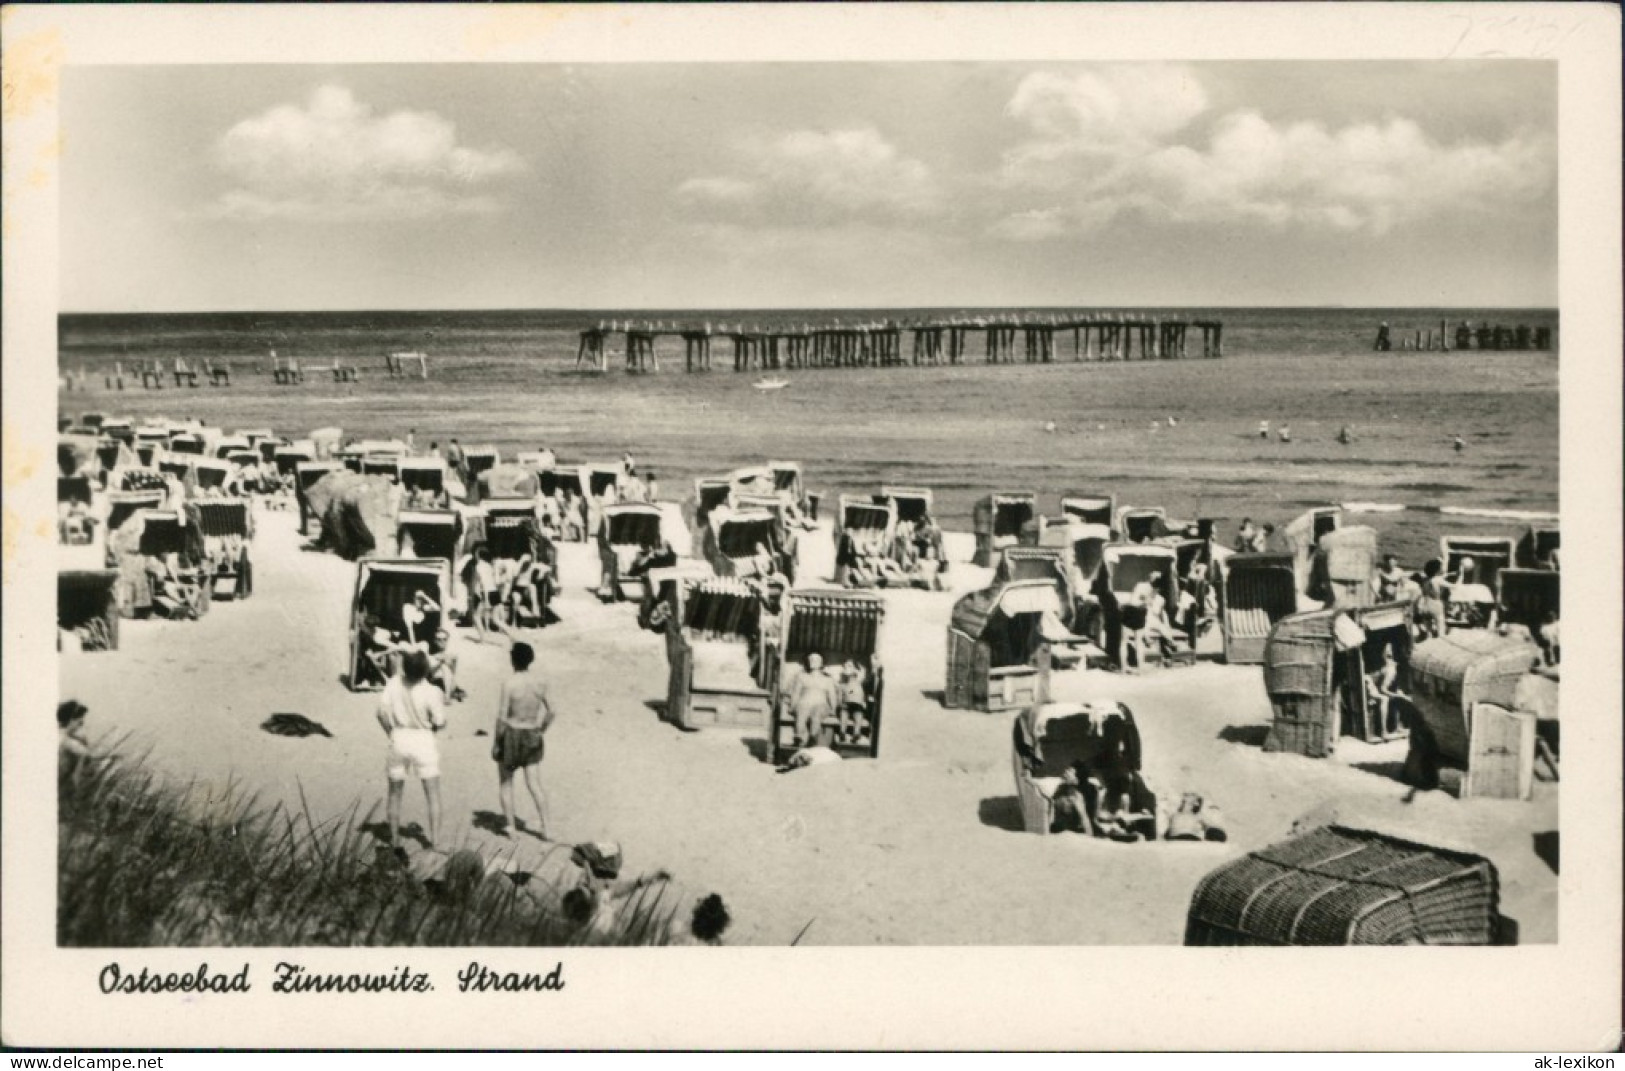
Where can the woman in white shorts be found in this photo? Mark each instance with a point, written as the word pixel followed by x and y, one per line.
pixel 411 711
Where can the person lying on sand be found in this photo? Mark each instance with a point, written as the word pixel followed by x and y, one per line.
pixel 810 756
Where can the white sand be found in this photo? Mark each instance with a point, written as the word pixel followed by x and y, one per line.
pixel 919 847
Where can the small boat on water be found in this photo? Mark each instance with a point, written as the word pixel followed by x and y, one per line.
pixel 771 384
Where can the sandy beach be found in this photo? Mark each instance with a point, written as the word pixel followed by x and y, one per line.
pixel 922 846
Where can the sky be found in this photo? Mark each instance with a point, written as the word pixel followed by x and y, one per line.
pixel 760 185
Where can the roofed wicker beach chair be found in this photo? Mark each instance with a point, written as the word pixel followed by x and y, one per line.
pixel 1452 678
pixel 1341 886
pixel 1000 520
pixel 842 627
pixel 1315 671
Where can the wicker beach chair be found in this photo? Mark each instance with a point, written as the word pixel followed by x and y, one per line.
pixel 842 627
pixel 1341 886
pixel 999 521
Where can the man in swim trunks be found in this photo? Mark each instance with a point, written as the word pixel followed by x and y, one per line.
pixel 524 713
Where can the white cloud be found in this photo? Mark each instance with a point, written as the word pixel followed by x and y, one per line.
pixel 812 176
pixel 1097 151
pixel 1108 111
pixel 334 158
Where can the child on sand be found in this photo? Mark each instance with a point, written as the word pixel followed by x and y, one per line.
pixel 854 703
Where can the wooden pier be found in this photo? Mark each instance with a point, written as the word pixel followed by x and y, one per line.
pixel 997 340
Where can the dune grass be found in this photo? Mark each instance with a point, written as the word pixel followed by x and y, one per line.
pixel 142 862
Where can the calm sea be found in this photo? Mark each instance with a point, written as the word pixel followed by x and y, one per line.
pixel 549 336
pixel 1179 434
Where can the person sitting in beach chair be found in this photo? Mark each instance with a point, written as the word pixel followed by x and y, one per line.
pixel 814 702
pixel 1124 807
pixel 74 523
pixel 378 647
pixel 1382 688
pixel 1547 636
pixel 852 720
pixel 550 516
pixel 413 614
pixel 1198 604
pixel 522 594
pixel 175 594
pixel 1070 806
pixel 1158 627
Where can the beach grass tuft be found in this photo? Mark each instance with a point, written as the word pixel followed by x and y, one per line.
pixel 143 862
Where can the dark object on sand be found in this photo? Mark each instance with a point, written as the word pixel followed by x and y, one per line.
pixel 1340 886
pixel 711 919
pixel 293 725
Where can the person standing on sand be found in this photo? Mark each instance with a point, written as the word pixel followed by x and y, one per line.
pixel 484 594
pixel 1428 613
pixel 73 746
pixel 411 711
pixel 454 461
pixel 1391 579
pixel 524 714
